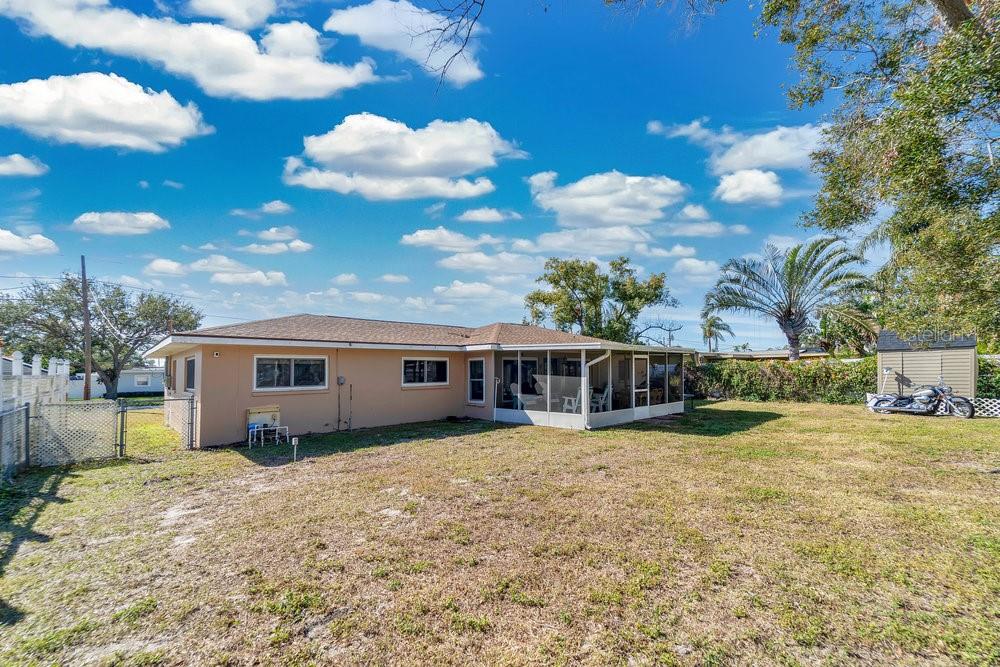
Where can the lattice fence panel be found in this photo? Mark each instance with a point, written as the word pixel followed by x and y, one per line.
pixel 64 433
pixel 13 442
pixel 987 407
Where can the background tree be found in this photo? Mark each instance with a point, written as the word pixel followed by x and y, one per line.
pixel 714 329
pixel 581 297
pixel 47 319
pixel 792 286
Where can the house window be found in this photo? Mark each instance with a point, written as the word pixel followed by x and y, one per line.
pixel 425 372
pixel 142 380
pixel 189 374
pixel 477 380
pixel 277 373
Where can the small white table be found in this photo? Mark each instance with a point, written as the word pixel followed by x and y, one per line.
pixel 260 434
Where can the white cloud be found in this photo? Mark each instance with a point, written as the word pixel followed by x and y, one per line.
pixel 218 264
pixel 292 40
pixel 224 270
pixel 345 279
pixel 95 109
pixel 596 241
pixel 708 228
pixel 780 148
pixel 382 159
pixel 500 263
pixel 143 184
pixel 223 61
pixel 434 210
pixel 606 200
pixel 264 279
pixel 696 271
pixel 283 233
pixel 165 267
pixel 487 214
pixel 396 278
pixel 677 250
pixel 459 291
pixel 731 151
pixel 696 133
pixel 782 241
pixel 240 14
pixel 208 246
pixel 371 297
pixel 695 212
pixel 446 240
pixel 119 223
pixel 175 185
pixel 277 247
pixel 410 32
pixel 750 186
pixel 30 244
pixel 275 207
pixel 19 165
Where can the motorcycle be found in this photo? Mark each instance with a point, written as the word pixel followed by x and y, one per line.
pixel 926 400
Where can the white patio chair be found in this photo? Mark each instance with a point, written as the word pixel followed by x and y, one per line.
pixel 599 401
pixel 572 403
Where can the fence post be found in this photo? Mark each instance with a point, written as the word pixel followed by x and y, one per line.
pixel 191 422
pixel 122 428
pixel 27 434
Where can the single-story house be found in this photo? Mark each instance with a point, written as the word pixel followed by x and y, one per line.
pixel 917 361
pixel 140 380
pixel 324 373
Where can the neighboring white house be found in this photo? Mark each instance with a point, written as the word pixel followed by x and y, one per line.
pixel 132 381
pixel 7 365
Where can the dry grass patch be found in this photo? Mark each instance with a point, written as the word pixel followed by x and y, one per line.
pixel 747 533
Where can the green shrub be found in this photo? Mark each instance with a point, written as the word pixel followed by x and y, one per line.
pixel 988 385
pixel 808 381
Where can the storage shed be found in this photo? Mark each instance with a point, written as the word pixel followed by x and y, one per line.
pixel 917 361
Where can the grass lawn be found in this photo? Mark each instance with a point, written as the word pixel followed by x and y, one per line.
pixel 741 533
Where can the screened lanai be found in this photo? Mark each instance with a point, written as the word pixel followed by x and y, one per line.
pixel 592 387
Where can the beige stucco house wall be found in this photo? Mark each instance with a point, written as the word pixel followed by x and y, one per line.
pixel 372 393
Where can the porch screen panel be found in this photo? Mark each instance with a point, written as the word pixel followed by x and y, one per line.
pixel 566 382
pixel 675 378
pixel 600 382
pixel 505 367
pixel 621 381
pixel 657 379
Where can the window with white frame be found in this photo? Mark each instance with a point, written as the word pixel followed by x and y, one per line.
pixel 142 380
pixel 477 380
pixel 424 372
pixel 189 374
pixel 284 373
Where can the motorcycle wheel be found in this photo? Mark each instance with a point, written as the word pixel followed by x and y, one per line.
pixel 962 408
pixel 885 402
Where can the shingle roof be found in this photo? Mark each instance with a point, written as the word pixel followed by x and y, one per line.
pixel 333 329
pixel 889 341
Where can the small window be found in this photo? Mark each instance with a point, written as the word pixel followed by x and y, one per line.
pixel 477 380
pixel 189 374
pixel 425 372
pixel 275 373
pixel 142 380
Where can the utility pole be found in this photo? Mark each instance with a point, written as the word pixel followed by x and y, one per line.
pixel 86 329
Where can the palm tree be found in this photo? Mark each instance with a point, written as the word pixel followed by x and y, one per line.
pixel 713 328
pixel 791 286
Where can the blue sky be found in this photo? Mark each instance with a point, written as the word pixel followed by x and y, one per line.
pixel 168 142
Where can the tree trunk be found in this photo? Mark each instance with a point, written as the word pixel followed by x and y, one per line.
pixel 793 347
pixel 954 12
pixel 110 384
